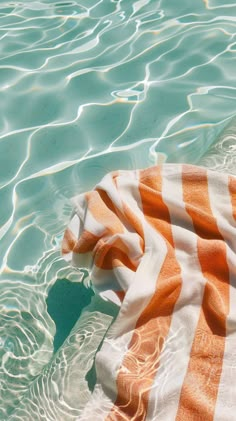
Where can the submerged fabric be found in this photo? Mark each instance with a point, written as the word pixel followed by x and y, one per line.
pixel 163 240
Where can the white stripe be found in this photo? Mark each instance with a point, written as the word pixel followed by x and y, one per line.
pixel 140 292
pixel 92 225
pixel 108 184
pixel 131 241
pixel 222 210
pixel 117 340
pixel 174 359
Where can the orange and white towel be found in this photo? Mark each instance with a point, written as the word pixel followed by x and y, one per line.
pixel 163 240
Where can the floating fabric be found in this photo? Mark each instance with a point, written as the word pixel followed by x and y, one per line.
pixel 161 242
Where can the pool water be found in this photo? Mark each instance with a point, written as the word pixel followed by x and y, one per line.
pixel 88 87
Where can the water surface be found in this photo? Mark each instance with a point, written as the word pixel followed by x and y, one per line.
pixel 87 87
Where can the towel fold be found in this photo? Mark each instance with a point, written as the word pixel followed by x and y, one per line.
pixel 163 241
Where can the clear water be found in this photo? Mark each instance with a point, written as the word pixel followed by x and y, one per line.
pixel 87 87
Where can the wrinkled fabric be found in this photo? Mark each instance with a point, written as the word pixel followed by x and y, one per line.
pixel 161 242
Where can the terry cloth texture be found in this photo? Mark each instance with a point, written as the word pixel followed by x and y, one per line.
pixel 163 240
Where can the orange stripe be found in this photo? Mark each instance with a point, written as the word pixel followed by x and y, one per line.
pixel 141 362
pixel 69 241
pixel 200 387
pixel 232 191
pixel 104 211
pixel 109 257
pixel 84 244
pixel 120 295
pixel 115 254
pixel 129 215
pixel 106 199
pixel 99 206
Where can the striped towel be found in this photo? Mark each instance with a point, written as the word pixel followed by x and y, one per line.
pixel 163 241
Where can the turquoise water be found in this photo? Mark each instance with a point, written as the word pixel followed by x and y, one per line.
pixel 88 87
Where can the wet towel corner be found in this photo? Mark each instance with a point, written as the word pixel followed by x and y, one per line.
pixel 162 241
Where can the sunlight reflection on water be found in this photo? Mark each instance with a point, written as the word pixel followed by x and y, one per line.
pixel 88 88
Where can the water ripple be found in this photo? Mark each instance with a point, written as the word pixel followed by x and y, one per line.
pixel 87 87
